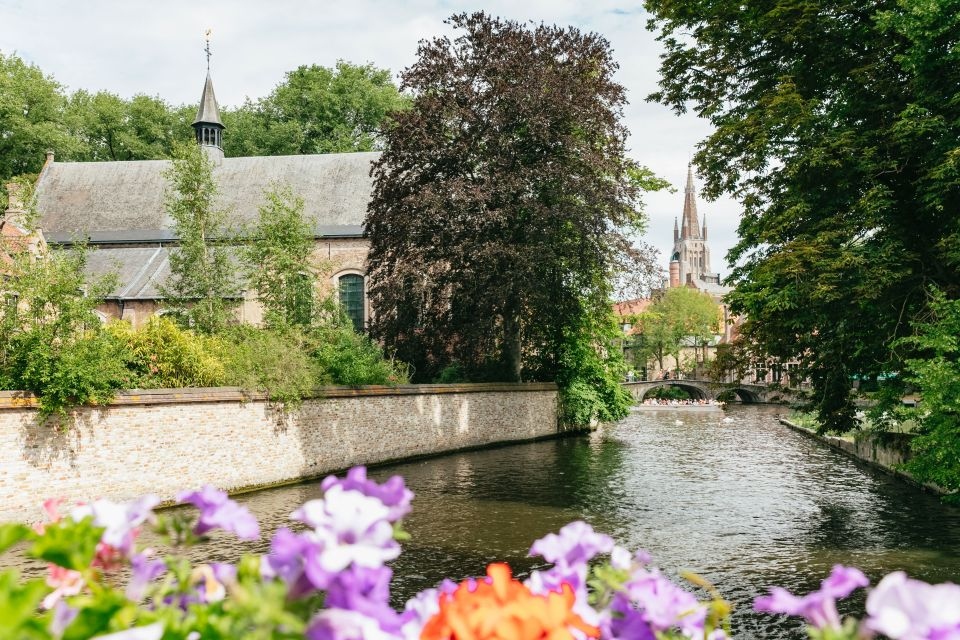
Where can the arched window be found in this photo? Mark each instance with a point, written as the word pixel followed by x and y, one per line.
pixel 350 289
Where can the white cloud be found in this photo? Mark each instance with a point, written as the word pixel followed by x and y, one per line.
pixel 156 48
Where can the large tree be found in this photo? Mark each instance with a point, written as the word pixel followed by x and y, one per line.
pixel 500 203
pixel 315 110
pixel 836 124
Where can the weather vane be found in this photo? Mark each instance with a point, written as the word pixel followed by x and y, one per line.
pixel 207 48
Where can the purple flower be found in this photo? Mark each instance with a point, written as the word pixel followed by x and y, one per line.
pixel 366 591
pixel 349 527
pixel 819 607
pixel 63 615
pixel 392 493
pixel 624 621
pixel 144 571
pixel 341 624
pixel 420 608
pixel 905 609
pixel 286 561
pixel 576 544
pixel 664 605
pixel 217 511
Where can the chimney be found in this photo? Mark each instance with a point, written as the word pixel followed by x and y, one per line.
pixel 15 213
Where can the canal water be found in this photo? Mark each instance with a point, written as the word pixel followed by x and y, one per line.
pixel 745 502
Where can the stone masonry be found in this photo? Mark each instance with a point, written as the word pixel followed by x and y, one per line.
pixel 165 441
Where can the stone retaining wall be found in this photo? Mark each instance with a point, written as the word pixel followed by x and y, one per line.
pixel 886 453
pixel 164 441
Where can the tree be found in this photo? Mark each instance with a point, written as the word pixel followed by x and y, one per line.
pixel 111 128
pixel 277 259
pixel 203 288
pixel 679 316
pixel 316 110
pixel 31 118
pixel 500 202
pixel 836 125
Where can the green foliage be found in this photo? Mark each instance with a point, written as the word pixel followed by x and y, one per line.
pixel 203 290
pixel 277 259
pixel 590 369
pixel 316 110
pixel 935 374
pixel 452 373
pixel 349 358
pixel 679 316
pixel 51 340
pixel 273 362
pixel 163 355
pixel 669 393
pixel 32 112
pixel 836 126
pixel 19 603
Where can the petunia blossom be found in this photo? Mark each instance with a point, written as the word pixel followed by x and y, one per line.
pixel 393 493
pixel 905 609
pixel 218 511
pixel 819 608
pixel 120 521
pixel 341 624
pixel 576 544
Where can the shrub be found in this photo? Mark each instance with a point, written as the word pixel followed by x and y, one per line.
pixel 275 362
pixel 165 356
pixel 352 359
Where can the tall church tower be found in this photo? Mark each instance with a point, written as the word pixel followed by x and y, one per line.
pixel 690 258
pixel 207 125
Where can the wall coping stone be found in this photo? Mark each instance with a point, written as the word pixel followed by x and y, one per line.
pixel 187 395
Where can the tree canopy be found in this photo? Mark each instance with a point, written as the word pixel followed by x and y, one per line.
pixel 836 126
pixel 679 317
pixel 314 109
pixel 501 200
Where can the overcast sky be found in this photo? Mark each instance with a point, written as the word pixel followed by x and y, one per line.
pixel 156 47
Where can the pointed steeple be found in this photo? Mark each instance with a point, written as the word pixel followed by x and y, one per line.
pixel 209 111
pixel 676 230
pixel 704 234
pixel 207 125
pixel 691 225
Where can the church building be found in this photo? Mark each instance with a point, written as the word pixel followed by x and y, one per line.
pixel 117 209
pixel 690 257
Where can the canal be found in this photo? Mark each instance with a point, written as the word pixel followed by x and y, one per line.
pixel 745 502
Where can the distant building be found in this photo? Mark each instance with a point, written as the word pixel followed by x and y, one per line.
pixel 690 258
pixel 117 208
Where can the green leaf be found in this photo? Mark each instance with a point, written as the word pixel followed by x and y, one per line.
pixel 68 543
pixel 11 534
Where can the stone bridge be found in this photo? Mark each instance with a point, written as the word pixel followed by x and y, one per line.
pixel 709 390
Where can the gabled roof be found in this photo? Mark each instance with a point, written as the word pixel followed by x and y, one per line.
pixel 88 199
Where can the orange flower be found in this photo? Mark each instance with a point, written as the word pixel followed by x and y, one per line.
pixel 505 609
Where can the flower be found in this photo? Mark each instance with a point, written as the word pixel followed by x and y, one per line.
pixel 341 624
pixel 819 607
pixel 63 615
pixel 144 570
pixel 286 561
pixel 576 544
pixel 149 632
pixel 65 582
pixel 217 511
pixel 393 493
pixel 663 605
pixel 348 528
pixel 901 608
pixel 501 608
pixel 120 521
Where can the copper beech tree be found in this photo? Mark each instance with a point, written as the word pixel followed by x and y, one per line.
pixel 501 205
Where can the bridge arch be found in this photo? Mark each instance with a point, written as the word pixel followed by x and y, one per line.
pixel 740 394
pixel 695 391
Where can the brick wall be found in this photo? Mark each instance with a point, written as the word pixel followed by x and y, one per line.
pixel 163 441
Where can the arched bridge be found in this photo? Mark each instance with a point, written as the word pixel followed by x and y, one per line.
pixel 709 390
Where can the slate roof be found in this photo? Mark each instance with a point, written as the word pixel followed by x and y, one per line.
pixel 208 112
pixel 107 200
pixel 139 271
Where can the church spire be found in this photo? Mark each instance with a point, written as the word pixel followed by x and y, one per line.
pixel 207 125
pixel 691 224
